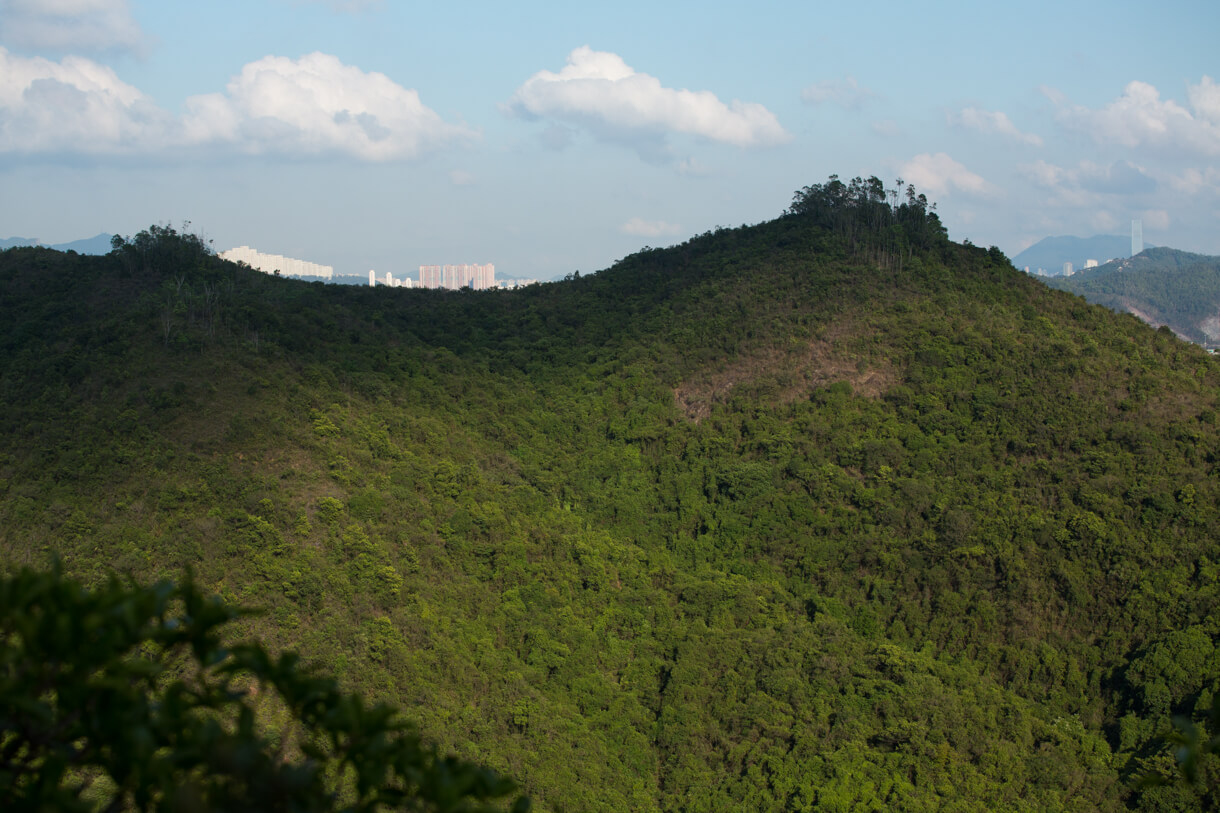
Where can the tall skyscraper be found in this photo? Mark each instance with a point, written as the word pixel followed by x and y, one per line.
pixel 1137 237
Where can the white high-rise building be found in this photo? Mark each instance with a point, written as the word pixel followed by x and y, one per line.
pixel 273 263
pixel 453 277
pixel 429 276
pixel 1067 269
pixel 1090 263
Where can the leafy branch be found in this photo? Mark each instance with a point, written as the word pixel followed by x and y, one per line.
pixel 124 697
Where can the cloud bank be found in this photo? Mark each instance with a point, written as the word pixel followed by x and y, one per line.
pixel 1084 184
pixel 1196 181
pixel 315 105
pixel 598 92
pixel 75 105
pixel 1139 117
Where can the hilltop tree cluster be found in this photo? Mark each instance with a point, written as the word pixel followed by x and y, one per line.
pixel 886 226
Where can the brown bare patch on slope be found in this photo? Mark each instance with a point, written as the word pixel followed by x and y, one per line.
pixel 795 374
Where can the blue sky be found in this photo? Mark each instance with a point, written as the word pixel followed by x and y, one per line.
pixel 553 137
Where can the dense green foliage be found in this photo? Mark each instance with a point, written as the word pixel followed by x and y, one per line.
pixel 1160 285
pixel 124 698
pixel 824 513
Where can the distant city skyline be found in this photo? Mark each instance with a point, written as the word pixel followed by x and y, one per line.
pixel 454 277
pixel 344 132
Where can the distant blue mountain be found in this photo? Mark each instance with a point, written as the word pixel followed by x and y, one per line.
pixel 1050 253
pixel 99 244
pixel 14 242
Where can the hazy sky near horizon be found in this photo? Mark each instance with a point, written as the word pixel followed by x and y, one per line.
pixel 553 137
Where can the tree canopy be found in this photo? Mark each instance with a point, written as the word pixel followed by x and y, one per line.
pixel 124 697
pixel 804 515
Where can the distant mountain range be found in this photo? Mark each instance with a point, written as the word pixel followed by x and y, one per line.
pixel 1050 253
pixel 1162 286
pixel 99 244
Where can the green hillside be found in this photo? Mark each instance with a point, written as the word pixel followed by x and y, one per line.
pixel 827 513
pixel 1162 286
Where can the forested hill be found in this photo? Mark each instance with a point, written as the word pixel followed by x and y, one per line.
pixel 1162 286
pixel 825 513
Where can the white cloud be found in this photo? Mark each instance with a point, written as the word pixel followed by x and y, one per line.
pixel 937 174
pixel 1194 181
pixel 1063 185
pixel 599 92
pixel 314 105
pixel 1107 196
pixel 75 105
pixel 1205 99
pixel 460 177
pixel 69 25
pixel 1141 118
pixel 1087 183
pixel 1156 219
pixel 1119 178
pixel 649 228
pixel 846 93
pixel 1044 174
pixel 993 123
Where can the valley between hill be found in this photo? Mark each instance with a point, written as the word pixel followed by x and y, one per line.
pixel 1162 286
